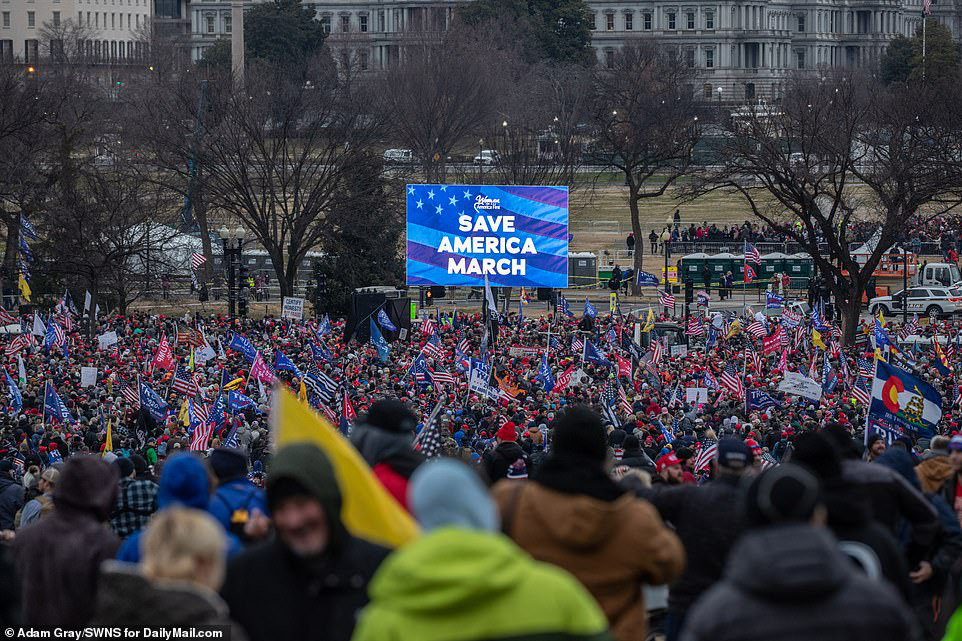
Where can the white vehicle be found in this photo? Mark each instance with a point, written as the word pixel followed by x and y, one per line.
pixel 487 157
pixel 399 156
pixel 933 302
pixel 940 275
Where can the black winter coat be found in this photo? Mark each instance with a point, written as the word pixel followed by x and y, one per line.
pixel 274 596
pixel 791 583
pixel 497 461
pixel 11 500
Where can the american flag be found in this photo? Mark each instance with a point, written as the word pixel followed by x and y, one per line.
pixel 813 368
pixel 623 403
pixel 428 440
pixel 197 412
pixel 441 377
pixel 666 300
pixel 861 393
pixel 16 345
pixel 201 440
pixel 6 318
pixel 607 400
pixel 330 414
pixel 433 347
pixel 705 457
pixel 464 346
pixel 695 327
pixel 197 259
pixel 754 358
pixel 347 408
pixel 577 345
pixel 419 369
pixel 757 329
pixel 657 351
pixel 730 380
pixel 184 382
pixel 427 326
pixel 864 367
pixel 751 254
pixel 130 394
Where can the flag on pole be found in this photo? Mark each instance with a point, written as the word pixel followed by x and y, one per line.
pixel 751 254
pixel 666 300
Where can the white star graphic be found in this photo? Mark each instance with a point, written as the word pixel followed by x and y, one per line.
pixel 444 187
pixel 467 194
pixel 439 210
pixel 410 189
pixel 454 200
pixel 420 204
pixel 431 194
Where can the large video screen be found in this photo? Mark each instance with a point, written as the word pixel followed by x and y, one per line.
pixel 516 235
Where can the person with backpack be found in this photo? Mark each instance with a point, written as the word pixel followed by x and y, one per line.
pixel 507 459
pixel 42 504
pixel 236 498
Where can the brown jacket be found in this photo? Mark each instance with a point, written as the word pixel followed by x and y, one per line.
pixel 612 548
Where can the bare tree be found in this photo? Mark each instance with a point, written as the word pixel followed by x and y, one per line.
pixel 439 96
pixel 645 123
pixel 838 151
pixel 277 156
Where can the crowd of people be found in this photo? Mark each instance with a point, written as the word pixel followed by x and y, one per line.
pixel 587 467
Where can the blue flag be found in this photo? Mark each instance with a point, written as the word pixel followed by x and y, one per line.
pixel 773 300
pixel 756 399
pixel 544 375
pixel 829 377
pixel 565 308
pixel 320 351
pixel 380 344
pixel 241 344
pixel 325 327
pixel 27 229
pixel 902 403
pixel 237 402
pixel 283 363
pixel 384 321
pixel 593 355
pixel 218 411
pixel 153 403
pixel 53 406
pixel 25 250
pixel 645 279
pixel 15 397
pixel 590 309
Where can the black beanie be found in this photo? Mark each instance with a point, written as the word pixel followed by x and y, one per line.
pixel 124 466
pixel 631 442
pixel 228 463
pixel 818 455
pixel 785 494
pixel 140 464
pixel 579 433
pixel 391 415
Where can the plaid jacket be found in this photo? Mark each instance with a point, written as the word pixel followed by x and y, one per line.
pixel 136 502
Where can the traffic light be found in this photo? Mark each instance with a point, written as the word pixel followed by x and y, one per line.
pixel 689 291
pixel 428 296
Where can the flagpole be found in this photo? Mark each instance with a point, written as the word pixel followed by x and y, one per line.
pixel 923 46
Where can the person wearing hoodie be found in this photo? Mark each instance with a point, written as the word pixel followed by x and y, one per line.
pixel 11 496
pixel 635 457
pixel 58 558
pixel 236 499
pixel 462 579
pixel 787 580
pixel 177 580
pixel 312 577
pixel 384 439
pixel 507 459
pixel 707 519
pixel 185 482
pixel 573 515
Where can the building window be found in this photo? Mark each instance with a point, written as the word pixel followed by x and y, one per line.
pixel 345 24
pixel 709 58
pixel 750 91
pixel 629 21
pixel 609 59
pixel 113 21
pixel 593 24
pixel 326 24
pixel 31 50
pixel 799 59
pixel 706 93
pixel 228 24
pixel 380 21
pixel 646 21
pixel 210 23
pixel 691 20
pixel 362 21
pixel 709 20
pixel 609 22
pixel 690 58
pixel 671 21
pixel 6 50
pixel 6 19
pixel 56 18
pixel 801 25
pixel 364 61
pixel 31 19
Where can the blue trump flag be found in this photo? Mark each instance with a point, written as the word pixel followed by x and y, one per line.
pixel 53 406
pixel 544 374
pixel 773 300
pixel 320 351
pixel 590 310
pixel 756 399
pixel 380 344
pixel 593 355
pixel 564 306
pixel 384 321
pixel 153 403
pixel 241 344
pixel 645 279
pixel 902 403
pixel 325 326
pixel 237 402
pixel 15 397
pixel 283 363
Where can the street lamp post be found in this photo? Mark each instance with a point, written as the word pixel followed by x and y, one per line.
pixel 480 159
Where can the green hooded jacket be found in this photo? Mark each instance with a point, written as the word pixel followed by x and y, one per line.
pixel 456 584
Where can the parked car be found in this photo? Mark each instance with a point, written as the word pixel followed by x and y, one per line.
pixel 934 302
pixel 487 158
pixel 398 156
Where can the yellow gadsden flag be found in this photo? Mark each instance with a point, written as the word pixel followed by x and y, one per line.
pixel 109 442
pixel 24 288
pixel 649 321
pixel 817 339
pixel 368 511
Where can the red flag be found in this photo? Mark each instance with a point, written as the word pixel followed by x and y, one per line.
pixel 260 372
pixel 749 274
pixel 563 379
pixel 624 366
pixel 773 343
pixel 164 358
